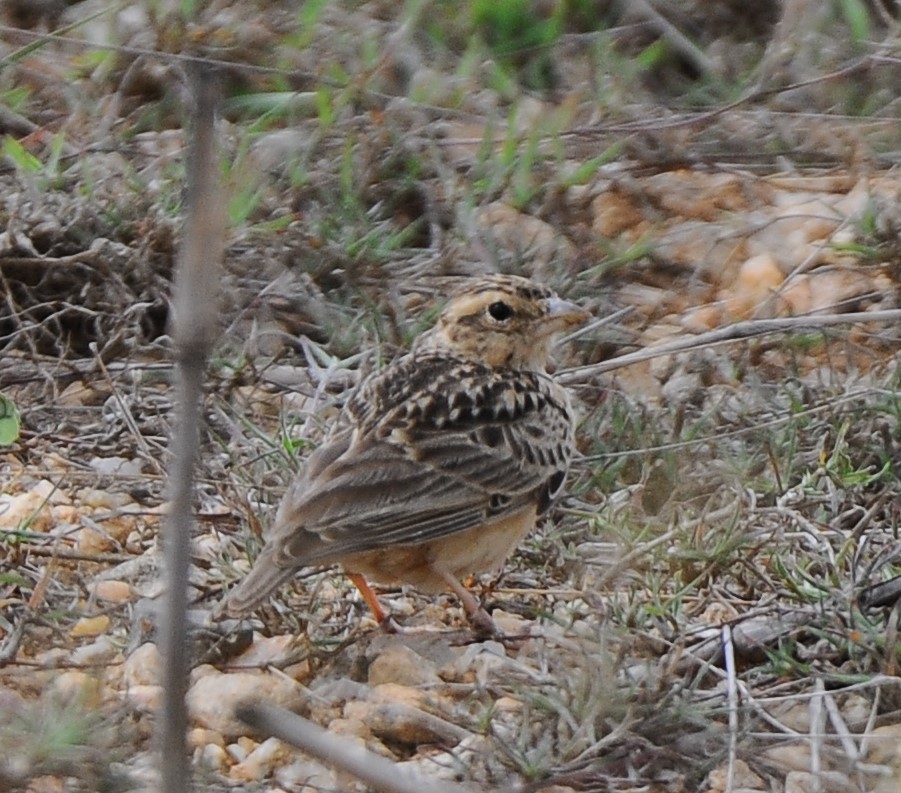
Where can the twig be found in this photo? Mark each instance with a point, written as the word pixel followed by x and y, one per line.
pixel 885 593
pixel 78 556
pixel 732 704
pixel 815 733
pixel 849 747
pixel 340 753
pixel 674 37
pixel 125 410
pixel 194 331
pixel 10 647
pixel 737 332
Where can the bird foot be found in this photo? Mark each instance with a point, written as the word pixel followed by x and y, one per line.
pixel 483 626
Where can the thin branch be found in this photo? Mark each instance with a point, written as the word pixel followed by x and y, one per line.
pixel 370 768
pixel 674 37
pixel 737 332
pixel 194 332
pixel 732 704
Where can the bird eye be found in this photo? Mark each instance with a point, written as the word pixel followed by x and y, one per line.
pixel 500 311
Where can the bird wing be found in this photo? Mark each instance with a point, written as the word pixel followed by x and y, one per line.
pixel 465 446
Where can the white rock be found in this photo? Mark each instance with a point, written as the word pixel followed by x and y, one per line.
pixel 142 667
pixel 211 757
pixel 399 664
pixel 261 762
pixel 99 651
pixel 212 699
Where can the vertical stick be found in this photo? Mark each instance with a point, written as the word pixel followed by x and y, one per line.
pixel 194 330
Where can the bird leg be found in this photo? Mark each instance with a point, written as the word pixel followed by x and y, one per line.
pixel 369 596
pixel 385 620
pixel 480 619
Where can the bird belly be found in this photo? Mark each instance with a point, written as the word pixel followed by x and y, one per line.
pixel 475 550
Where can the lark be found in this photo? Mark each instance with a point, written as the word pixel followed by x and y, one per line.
pixel 450 455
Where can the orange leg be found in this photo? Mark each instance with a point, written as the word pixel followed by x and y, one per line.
pixel 372 601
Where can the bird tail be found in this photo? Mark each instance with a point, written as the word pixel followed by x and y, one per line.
pixel 262 580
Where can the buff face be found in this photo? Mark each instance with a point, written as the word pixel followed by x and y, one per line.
pixel 507 322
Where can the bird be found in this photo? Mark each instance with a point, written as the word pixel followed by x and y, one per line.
pixel 445 460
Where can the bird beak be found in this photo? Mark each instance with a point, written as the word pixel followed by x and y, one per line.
pixel 563 315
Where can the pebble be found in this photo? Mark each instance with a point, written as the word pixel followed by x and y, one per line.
pixel 211 757
pixel 90 626
pixel 399 664
pixel 212 698
pixel 112 591
pixel 743 778
pixel 399 723
pixel 884 745
pixel 144 699
pixel 77 687
pixel 142 667
pixel 305 774
pixel 477 663
pixel 100 651
pixel 261 761
pixel 822 782
pixel 198 737
pixel 26 509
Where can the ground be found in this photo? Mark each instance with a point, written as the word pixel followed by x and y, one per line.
pixel 704 611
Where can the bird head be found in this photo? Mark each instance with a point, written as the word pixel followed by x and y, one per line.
pixel 503 321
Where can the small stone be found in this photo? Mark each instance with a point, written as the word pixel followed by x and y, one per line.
pixel 822 782
pixel 112 591
pixel 395 693
pixel 304 774
pixel 557 789
pixel 261 761
pixel 100 651
pixel 533 239
pixel 212 699
pixel 615 213
pixel 198 737
pixel 211 757
pixel 399 723
pixel 510 624
pixel 145 699
pixel 353 728
pixel 399 664
pixel 25 509
pixel 101 499
pixel 90 626
pixel 238 752
pixel 788 757
pixel 116 466
pixel 478 661
pixel 77 687
pixel 508 705
pixel 265 651
pixel 742 778
pixel 142 667
pixel 757 281
pixel 884 745
pixel 447 765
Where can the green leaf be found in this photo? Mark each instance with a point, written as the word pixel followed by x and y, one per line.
pixel 652 55
pixel 588 170
pixel 22 158
pixel 858 18
pixel 9 420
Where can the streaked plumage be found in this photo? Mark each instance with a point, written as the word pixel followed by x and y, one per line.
pixel 451 453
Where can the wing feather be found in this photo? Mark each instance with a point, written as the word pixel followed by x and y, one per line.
pixel 414 480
